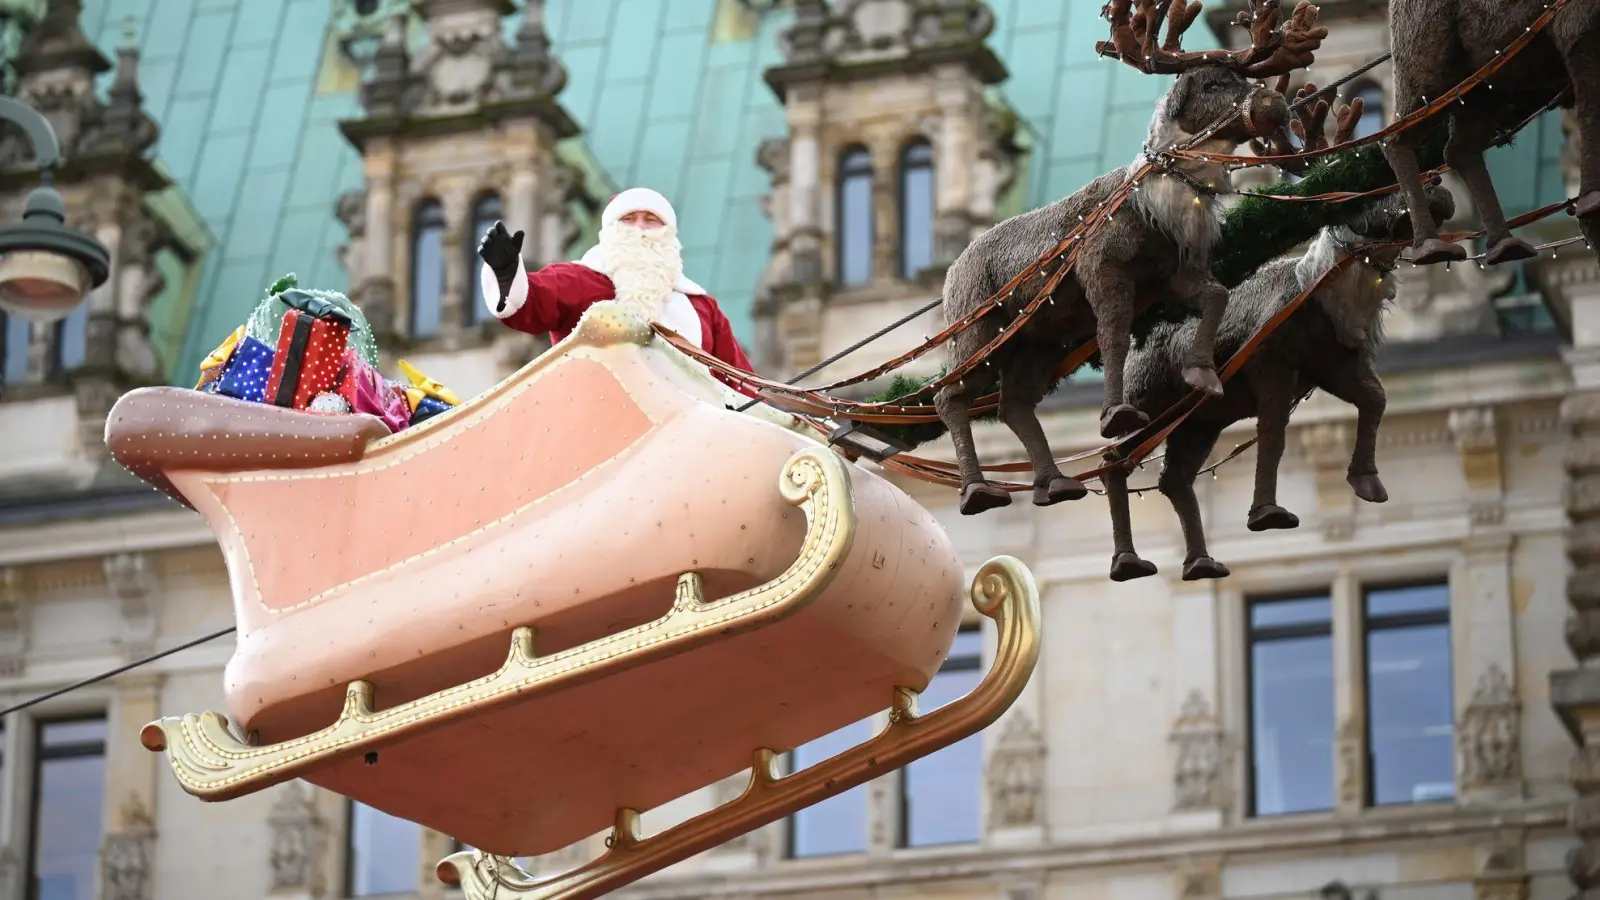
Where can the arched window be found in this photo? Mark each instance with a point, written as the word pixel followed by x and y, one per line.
pixel 484 214
pixel 854 228
pixel 916 208
pixel 427 268
pixel 1372 113
pixel 381 854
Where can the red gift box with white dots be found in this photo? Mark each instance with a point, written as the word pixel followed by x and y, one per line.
pixel 309 358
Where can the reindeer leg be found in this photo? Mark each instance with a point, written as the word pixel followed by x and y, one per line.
pixel 1471 131
pixel 1208 295
pixel 1024 380
pixel 1125 562
pixel 1273 402
pixel 1187 449
pixel 1111 296
pixel 1583 64
pixel 1427 248
pixel 977 495
pixel 1356 384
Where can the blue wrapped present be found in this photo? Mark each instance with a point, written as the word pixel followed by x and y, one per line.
pixel 245 377
pixel 427 408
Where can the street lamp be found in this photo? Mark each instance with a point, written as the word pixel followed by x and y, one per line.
pixel 46 268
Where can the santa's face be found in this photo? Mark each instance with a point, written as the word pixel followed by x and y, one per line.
pixel 645 263
pixel 644 219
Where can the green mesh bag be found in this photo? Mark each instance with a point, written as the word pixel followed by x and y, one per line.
pixel 268 318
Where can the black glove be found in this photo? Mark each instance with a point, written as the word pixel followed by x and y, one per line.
pixel 501 251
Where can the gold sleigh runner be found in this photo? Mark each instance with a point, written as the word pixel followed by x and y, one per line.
pixel 1004 591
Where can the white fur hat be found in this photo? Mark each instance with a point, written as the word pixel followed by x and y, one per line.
pixel 638 200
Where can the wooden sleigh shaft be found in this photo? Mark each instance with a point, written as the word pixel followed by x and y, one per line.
pixel 1003 590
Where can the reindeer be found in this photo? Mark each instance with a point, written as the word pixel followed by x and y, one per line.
pixel 1330 343
pixel 1437 45
pixel 1156 250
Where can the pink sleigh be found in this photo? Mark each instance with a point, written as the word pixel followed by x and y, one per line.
pixel 679 586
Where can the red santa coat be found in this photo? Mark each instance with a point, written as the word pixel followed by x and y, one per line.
pixel 560 293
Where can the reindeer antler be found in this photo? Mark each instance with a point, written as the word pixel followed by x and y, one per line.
pixel 1310 125
pixel 1272 51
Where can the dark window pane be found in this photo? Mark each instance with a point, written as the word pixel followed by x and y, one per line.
pixel 916 209
pixel 69 792
pixel 484 215
pixel 427 269
pixel 1291 724
pixel 1372 112
pixel 1410 732
pixel 942 789
pixel 855 217
pixel 14 353
pixel 72 339
pixel 385 853
pixel 1428 598
pixel 837 824
pixel 1282 613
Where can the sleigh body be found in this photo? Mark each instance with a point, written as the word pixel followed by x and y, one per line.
pixel 592 588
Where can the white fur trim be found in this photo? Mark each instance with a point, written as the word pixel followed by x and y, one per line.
pixel 680 315
pixel 638 200
pixel 596 260
pixel 491 290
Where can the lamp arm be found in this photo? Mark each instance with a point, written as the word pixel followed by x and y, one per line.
pixel 46 149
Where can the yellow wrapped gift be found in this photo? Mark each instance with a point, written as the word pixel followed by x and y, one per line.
pixel 422 387
pixel 211 367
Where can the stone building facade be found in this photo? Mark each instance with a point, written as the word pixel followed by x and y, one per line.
pixel 1232 739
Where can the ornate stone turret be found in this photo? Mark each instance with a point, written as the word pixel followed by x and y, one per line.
pixel 104 177
pixel 461 131
pixel 903 83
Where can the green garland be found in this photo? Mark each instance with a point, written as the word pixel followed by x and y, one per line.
pixel 268 318
pixel 1240 251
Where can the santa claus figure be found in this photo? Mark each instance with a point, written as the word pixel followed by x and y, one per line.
pixel 638 261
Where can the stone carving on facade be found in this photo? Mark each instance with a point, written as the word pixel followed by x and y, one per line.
pixel 1338 890
pixel 1015 776
pixel 1200 878
pixel 359 25
pixel 873 30
pixel 13 634
pixel 1351 743
pixel 532 69
pixel 132 581
pixel 126 855
pixel 299 838
pixel 1197 778
pixel 1489 734
pixel 1502 871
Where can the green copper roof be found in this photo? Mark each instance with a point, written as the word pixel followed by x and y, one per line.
pixel 669 93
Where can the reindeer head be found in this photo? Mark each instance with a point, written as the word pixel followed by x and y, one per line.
pixel 1214 88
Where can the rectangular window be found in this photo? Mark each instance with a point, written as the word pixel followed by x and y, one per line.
pixel 384 855
pixel 72 339
pixel 15 334
pixel 1291 705
pixel 68 798
pixel 837 825
pixel 942 791
pixel 1410 731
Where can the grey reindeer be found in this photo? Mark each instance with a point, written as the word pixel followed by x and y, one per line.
pixel 1156 250
pixel 1330 342
pixel 1439 44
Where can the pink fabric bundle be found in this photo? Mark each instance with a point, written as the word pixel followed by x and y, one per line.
pixel 368 392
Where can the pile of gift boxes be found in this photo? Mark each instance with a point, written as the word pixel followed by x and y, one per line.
pixel 316 367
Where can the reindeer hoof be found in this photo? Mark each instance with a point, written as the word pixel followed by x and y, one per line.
pixel 1271 518
pixel 1203 378
pixel 1058 489
pixel 1128 566
pixel 1509 249
pixel 981 496
pixel 1120 420
pixel 1204 567
pixel 1587 205
pixel 1369 487
pixel 1433 250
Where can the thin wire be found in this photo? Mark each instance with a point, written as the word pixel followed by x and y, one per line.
pixel 1357 73
pixel 114 672
pixel 852 348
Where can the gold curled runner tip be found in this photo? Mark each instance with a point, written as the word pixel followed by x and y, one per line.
pixel 1004 590
pixel 212 764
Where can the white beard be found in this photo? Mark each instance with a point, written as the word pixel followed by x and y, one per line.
pixel 645 265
